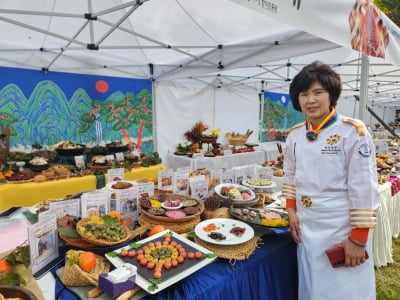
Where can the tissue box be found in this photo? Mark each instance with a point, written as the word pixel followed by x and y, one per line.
pixel 114 286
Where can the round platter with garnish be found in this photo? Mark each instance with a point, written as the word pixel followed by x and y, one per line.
pixel 221 231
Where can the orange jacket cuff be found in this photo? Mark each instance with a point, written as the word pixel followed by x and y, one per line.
pixel 359 234
pixel 290 203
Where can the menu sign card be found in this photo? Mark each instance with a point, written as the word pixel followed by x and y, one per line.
pixel 127 204
pixel 199 188
pixel 95 203
pixel 264 173
pixel 115 174
pixel 198 155
pixel 145 190
pixel 42 238
pixel 119 156
pixel 216 177
pixel 66 207
pixel 183 169
pixel 80 161
pixel 181 183
pixel 228 176
pixel 165 179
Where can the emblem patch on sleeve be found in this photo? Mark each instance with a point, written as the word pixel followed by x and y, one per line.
pixel 364 150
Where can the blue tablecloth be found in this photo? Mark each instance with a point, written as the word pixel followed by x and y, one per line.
pixel 270 273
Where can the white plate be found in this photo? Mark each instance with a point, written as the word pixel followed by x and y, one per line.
pixel 171 207
pixel 239 187
pixel 270 186
pixel 110 184
pixel 144 283
pixel 224 226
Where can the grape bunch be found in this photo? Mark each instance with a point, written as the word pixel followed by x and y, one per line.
pixel 111 232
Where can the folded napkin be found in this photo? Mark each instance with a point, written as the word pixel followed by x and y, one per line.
pixel 13 234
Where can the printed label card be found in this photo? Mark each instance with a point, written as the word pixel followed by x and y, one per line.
pixel 198 155
pixel 216 177
pixel 110 157
pixel 227 152
pixel 43 245
pixel 264 173
pixel 199 188
pixel 70 207
pixel 119 156
pixel 181 183
pixel 145 190
pixel 228 176
pixel 165 179
pixel 80 161
pixel 126 202
pixel 95 203
pixel 115 174
pixel 240 175
pixel 183 170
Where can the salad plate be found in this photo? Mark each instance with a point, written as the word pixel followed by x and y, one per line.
pixel 221 231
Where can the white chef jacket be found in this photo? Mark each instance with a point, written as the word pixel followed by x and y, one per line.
pixel 334 182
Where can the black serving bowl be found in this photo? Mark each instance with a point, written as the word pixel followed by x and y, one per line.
pixel 38 168
pixel 71 151
pixel 114 147
pixel 9 291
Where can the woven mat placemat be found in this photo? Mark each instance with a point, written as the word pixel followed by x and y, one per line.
pixel 178 227
pixel 238 252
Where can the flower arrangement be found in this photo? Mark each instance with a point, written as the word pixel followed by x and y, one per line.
pixel 193 135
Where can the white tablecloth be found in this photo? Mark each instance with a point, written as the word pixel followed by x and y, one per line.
pixel 387 226
pixel 212 163
pixel 271 149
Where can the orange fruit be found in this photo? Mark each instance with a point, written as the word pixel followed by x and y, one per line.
pixel 5 267
pixel 156 229
pixel 115 214
pixel 87 261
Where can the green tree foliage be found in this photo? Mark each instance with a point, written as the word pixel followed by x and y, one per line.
pixel 122 113
pixel 391 8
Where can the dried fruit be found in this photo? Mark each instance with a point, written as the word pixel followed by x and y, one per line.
pixel 5 267
pixel 87 261
pixel 156 229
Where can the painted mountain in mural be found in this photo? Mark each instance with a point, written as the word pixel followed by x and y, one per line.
pixel 48 117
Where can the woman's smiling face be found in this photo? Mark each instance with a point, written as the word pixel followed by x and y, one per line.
pixel 315 103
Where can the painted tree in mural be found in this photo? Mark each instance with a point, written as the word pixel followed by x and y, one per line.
pixel 6 120
pixel 122 114
pixel 274 116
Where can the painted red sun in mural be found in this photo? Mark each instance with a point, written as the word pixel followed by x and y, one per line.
pixel 101 86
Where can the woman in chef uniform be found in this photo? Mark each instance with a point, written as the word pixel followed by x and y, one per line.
pixel 331 190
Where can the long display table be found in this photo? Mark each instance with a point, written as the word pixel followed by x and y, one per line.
pixel 227 161
pixel 30 193
pixel 270 273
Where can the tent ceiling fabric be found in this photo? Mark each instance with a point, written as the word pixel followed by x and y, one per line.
pixel 218 43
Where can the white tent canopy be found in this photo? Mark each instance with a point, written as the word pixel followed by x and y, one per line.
pixel 209 59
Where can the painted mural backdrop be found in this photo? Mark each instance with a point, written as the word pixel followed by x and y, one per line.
pixel 278 116
pixel 47 108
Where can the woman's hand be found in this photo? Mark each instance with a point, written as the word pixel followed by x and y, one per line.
pixel 294 225
pixel 354 254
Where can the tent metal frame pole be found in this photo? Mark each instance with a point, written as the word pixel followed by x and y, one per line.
pixel 362 111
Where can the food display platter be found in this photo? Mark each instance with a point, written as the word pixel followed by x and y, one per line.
pixel 110 185
pixel 253 216
pixel 279 201
pixel 259 187
pixel 237 203
pixel 170 276
pixel 224 226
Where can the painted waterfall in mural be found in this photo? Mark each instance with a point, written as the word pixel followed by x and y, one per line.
pixel 47 108
pixel 278 116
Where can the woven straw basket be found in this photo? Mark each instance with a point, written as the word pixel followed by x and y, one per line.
pixel 73 275
pixel 100 242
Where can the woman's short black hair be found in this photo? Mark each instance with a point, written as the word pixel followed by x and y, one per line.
pixel 316 72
